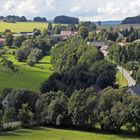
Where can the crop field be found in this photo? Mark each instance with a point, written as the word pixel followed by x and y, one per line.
pixel 120 26
pixel 22 26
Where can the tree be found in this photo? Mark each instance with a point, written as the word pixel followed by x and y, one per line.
pixel 134 114
pixel 9 115
pixel 80 108
pixel 40 19
pixel 112 109
pixel 9 39
pixel 57 111
pixel 18 41
pixel 21 96
pixel 72 27
pixel 66 20
pixel 26 116
pixel 36 32
pixel 83 31
pixel 23 52
pixel 1 119
pixel 34 56
pixel 49 26
pixel 89 25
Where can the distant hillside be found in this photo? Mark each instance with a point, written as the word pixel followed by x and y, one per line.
pixel 132 20
pixel 109 22
pixel 66 20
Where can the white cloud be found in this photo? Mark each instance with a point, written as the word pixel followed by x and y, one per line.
pixel 84 9
pixel 110 8
pixel 75 9
pixel 27 6
pixel 10 5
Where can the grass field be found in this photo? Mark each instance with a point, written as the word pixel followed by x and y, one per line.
pixel 26 76
pixel 121 80
pixel 56 134
pixel 120 26
pixel 22 26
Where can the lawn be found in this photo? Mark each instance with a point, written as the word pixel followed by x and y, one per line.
pixel 121 80
pixel 22 26
pixel 26 76
pixel 56 134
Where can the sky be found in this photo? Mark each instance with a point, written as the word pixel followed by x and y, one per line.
pixel 94 10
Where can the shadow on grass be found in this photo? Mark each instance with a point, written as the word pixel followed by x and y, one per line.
pixel 121 134
pixel 44 63
pixel 15 133
pixel 9 134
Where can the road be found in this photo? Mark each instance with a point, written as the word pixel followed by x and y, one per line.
pixel 126 74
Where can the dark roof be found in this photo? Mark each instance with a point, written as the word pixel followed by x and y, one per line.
pixel 136 89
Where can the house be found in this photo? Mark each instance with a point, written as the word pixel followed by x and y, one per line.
pixel 97 43
pixel 5 101
pixel 2 40
pixel 104 49
pixel 134 90
pixel 66 34
pixel 24 34
pixel 27 33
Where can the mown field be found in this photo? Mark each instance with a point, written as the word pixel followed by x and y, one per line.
pixel 26 76
pixel 120 26
pixel 56 134
pixel 22 26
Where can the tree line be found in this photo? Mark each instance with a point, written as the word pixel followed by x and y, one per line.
pixel 85 109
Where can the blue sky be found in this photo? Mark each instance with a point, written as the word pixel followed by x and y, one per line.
pixel 93 10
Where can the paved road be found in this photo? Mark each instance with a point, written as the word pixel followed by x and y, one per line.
pixel 126 74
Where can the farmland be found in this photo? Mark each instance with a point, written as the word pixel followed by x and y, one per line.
pixel 119 26
pixel 22 26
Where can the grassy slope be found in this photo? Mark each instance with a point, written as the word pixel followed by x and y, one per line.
pixel 121 80
pixel 22 26
pixel 26 77
pixel 54 134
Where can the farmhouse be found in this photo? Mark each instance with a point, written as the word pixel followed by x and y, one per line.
pixel 104 49
pixel 101 44
pixel 66 34
pixel 134 90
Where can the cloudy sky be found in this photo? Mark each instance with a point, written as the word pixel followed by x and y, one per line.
pixel 84 9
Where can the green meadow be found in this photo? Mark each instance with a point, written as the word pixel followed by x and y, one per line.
pixel 56 134
pixel 26 76
pixel 121 80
